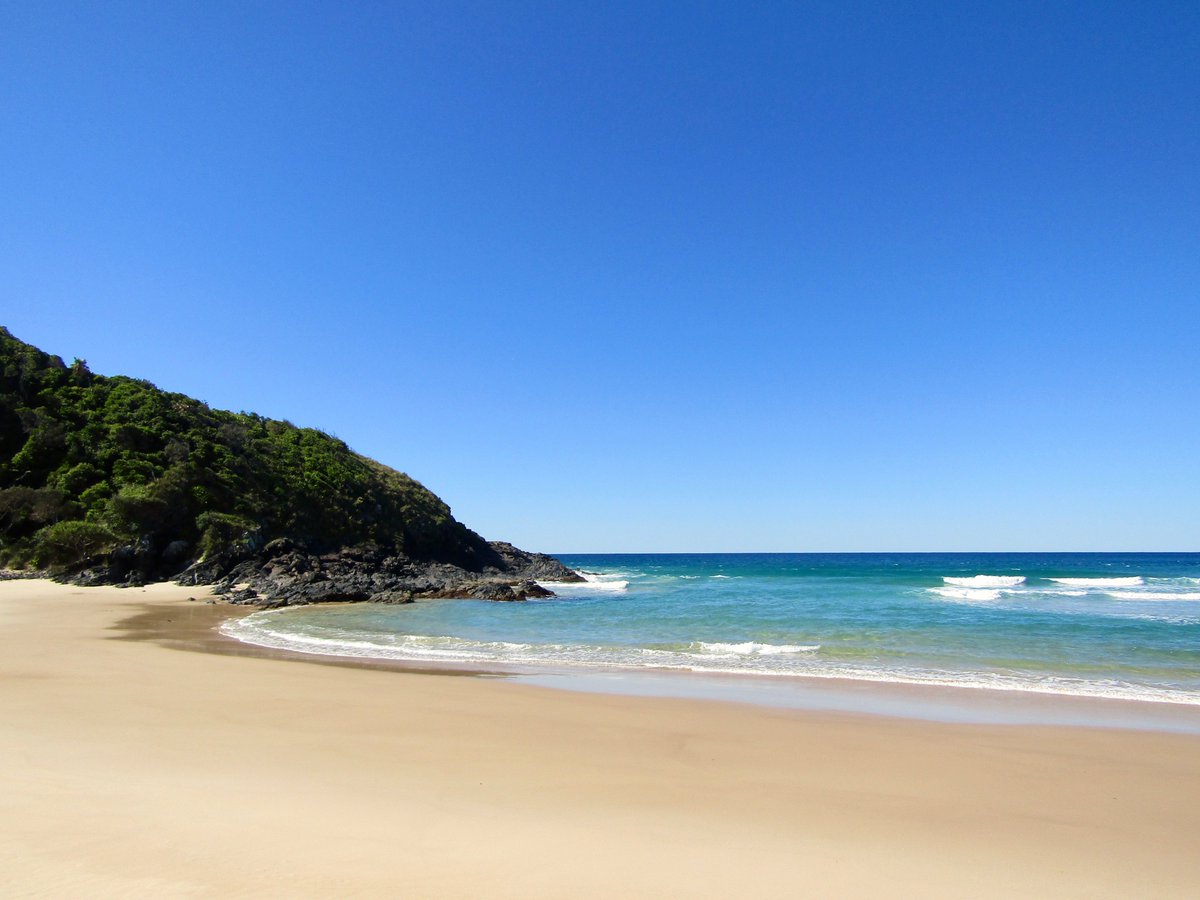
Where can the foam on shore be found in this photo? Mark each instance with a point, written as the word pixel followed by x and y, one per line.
pixel 266 629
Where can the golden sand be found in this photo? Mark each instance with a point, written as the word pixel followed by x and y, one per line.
pixel 134 769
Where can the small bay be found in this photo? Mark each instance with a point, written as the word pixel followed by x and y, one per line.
pixel 1119 626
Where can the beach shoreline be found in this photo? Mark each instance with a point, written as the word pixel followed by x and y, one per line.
pixel 134 771
pixel 810 692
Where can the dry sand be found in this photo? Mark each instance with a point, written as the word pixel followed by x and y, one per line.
pixel 128 769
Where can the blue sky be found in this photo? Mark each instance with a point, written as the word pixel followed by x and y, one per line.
pixel 645 276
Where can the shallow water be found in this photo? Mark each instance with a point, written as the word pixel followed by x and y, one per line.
pixel 1120 626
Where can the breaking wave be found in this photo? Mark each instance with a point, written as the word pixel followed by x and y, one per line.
pixel 967 593
pixel 1158 596
pixel 986 581
pixel 1130 581
pixel 591 582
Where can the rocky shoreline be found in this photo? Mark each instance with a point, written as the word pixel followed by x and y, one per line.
pixel 283 574
pixel 108 480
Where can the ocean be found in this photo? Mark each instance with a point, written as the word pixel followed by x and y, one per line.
pixel 1122 626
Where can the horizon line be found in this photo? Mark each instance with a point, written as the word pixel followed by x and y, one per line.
pixel 851 552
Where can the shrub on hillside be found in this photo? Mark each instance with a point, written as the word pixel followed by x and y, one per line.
pixel 71 543
pixel 224 532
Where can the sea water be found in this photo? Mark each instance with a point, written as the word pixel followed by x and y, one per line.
pixel 1119 626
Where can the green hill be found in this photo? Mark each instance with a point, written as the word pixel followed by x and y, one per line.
pixel 112 469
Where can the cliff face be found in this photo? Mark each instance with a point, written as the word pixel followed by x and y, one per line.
pixel 110 479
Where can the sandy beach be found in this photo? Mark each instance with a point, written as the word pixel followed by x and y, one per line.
pixel 140 768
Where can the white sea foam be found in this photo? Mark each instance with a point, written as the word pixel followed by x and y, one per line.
pixel 802 661
pixel 389 646
pixel 967 593
pixel 1154 595
pixel 1131 581
pixel 986 581
pixel 591 581
pixel 751 648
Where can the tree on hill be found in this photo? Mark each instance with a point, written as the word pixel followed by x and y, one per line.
pixel 94 466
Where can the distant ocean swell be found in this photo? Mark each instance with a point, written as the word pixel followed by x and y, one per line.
pixel 1032 624
pixel 994 587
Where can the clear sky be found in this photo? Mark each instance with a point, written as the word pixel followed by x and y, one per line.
pixel 645 276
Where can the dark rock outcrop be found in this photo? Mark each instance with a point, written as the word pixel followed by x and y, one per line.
pixel 535 565
pixel 285 575
pixel 10 575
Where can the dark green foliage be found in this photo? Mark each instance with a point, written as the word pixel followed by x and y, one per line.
pixel 25 509
pixel 68 543
pixel 88 463
pixel 224 532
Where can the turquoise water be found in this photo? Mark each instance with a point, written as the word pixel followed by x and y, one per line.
pixel 1121 626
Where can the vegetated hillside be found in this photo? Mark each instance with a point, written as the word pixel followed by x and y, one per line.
pixel 114 469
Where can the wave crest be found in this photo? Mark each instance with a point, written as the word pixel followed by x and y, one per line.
pixel 1155 595
pixel 591 581
pixel 1130 581
pixel 967 593
pixel 986 581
